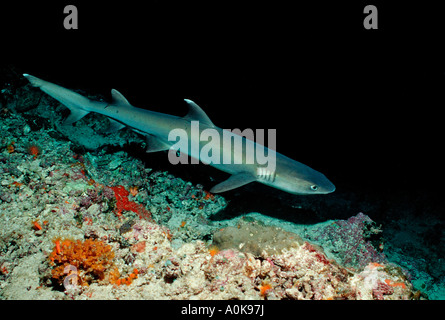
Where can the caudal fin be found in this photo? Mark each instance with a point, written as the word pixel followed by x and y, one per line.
pixel 78 104
pixel 35 82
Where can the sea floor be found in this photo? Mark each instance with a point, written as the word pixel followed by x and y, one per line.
pixel 82 218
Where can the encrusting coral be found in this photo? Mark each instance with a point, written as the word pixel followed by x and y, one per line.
pixel 254 237
pixel 146 234
pixel 122 203
pixel 92 260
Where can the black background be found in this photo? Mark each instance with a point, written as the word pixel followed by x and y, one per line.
pixel 362 106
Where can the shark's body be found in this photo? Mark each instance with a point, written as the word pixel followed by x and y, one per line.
pixel 288 175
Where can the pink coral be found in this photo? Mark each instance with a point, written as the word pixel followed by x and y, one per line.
pixel 356 241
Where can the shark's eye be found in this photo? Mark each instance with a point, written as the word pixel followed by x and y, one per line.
pixel 314 187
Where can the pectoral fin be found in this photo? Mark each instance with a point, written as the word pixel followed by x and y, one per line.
pixel 235 181
pixel 154 144
pixel 75 115
pixel 114 126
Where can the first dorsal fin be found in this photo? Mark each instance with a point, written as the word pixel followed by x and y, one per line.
pixel 197 114
pixel 118 98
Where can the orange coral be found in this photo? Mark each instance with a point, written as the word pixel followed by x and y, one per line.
pixel 264 288
pixel 92 258
pixel 115 277
pixel 34 150
pixel 213 250
pixel 208 196
pixel 10 147
pixel 395 284
pixel 36 225
pixel 17 184
pixel 376 265
pixel 134 191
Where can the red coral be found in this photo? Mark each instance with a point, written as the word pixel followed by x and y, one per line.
pixel 122 203
pixel 34 150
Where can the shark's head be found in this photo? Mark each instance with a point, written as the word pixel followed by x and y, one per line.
pixel 297 178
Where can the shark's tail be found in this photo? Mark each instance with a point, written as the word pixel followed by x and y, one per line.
pixel 79 105
pixel 36 82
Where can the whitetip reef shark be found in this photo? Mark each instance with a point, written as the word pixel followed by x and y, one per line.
pixel 288 175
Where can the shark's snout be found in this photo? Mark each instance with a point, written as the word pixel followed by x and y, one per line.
pixel 328 187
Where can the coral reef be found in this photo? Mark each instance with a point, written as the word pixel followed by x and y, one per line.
pixel 122 203
pixel 379 282
pixel 91 259
pixel 355 242
pixel 124 230
pixel 253 237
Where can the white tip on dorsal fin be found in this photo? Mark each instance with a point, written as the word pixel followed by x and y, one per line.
pixel 197 114
pixel 118 98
